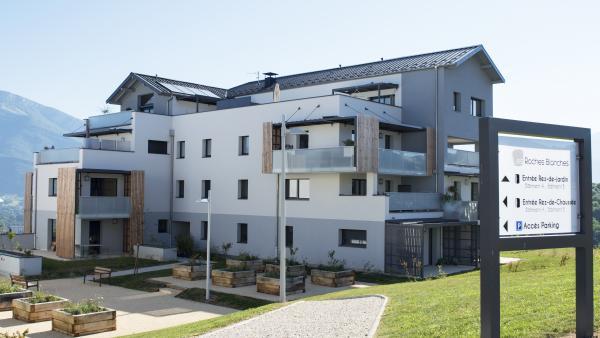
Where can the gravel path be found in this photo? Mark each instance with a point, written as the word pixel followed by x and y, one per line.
pixel 353 317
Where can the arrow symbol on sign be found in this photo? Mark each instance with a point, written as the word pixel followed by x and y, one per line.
pixel 505 201
pixel 505 179
pixel 505 225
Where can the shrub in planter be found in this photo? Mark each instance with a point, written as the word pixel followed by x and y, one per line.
pixel 245 261
pixel 233 277
pixel 269 283
pixel 194 270
pixel 293 267
pixel 9 292
pixel 84 318
pixel 333 274
pixel 185 246
pixel 38 307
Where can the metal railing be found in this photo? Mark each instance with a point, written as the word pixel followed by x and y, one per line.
pixel 103 207
pixel 400 162
pixel 335 159
pixel 70 155
pixel 102 144
pixel 461 210
pixel 414 201
pixel 462 158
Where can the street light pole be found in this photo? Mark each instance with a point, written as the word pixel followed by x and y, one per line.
pixel 208 260
pixel 282 223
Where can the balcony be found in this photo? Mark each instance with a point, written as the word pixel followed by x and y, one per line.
pixel 461 210
pixel 47 156
pixel 103 207
pixel 102 144
pixel 335 159
pixel 414 201
pixel 462 161
pixel 400 162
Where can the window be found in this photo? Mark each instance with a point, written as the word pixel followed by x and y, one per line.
pixel 180 188
pixel 297 189
pixel 289 236
pixel 388 141
pixel 205 188
pixel 303 141
pixel 100 186
pixel 276 138
pixel 385 99
pixel 388 185
pixel 157 147
pixel 404 188
pixel 353 238
pixel 206 147
pixel 474 191
pixel 144 104
pixel 181 149
pixel 162 226
pixel 52 186
pixel 242 189
pixel 52 229
pixel 204 230
pixel 359 187
pixel 242 233
pixel 476 107
pixel 456 101
pixel 244 145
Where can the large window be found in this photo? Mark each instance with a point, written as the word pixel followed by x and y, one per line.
pixel 353 238
pixel 476 107
pixel 297 189
pixel 157 147
pixel 144 104
pixel 242 189
pixel 180 188
pixel 289 236
pixel 181 149
pixel 101 186
pixel 205 188
pixel 52 229
pixel 204 230
pixel 242 233
pixel 206 147
pixel 163 225
pixel 52 186
pixel 244 145
pixel 359 187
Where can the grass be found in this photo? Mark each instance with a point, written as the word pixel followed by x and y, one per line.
pixel 538 299
pixel 140 281
pixel 223 299
pixel 53 269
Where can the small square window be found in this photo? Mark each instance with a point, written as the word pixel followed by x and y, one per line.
pixel 163 226
pixel 476 107
pixel 206 147
pixel 244 145
pixel 353 238
pixel 242 233
pixel 243 189
pixel 359 187
pixel 181 149
pixel 158 147
pixel 180 188
pixel 52 186
pixel 297 189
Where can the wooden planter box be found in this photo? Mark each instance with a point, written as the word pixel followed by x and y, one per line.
pixel 332 278
pixel 233 279
pixel 254 265
pixel 292 270
pixel 7 298
pixel 76 325
pixel 188 272
pixel 39 312
pixel 270 285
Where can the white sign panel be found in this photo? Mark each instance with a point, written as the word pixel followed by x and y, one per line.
pixel 538 186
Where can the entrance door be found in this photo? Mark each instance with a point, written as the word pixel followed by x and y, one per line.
pixel 94 235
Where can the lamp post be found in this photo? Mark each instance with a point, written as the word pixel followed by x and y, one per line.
pixel 207 200
pixel 282 222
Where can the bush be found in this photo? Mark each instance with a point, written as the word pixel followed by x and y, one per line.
pixel 86 306
pixel 7 288
pixel 185 246
pixel 246 256
pixel 41 297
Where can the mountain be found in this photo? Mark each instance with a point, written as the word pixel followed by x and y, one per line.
pixel 596 157
pixel 25 127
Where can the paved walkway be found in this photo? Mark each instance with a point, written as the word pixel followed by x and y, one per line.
pixel 353 317
pixel 137 311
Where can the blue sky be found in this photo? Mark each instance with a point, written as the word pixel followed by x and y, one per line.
pixel 72 54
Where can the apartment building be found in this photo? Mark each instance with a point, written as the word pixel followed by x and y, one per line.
pixel 382 165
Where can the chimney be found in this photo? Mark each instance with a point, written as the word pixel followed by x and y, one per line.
pixel 270 79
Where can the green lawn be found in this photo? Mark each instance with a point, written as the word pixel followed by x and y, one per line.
pixel 538 299
pixel 52 269
pixel 140 281
pixel 223 299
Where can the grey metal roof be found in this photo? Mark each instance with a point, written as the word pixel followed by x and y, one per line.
pixel 452 57
pixel 156 83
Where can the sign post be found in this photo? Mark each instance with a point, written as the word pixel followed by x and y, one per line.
pixel 535 194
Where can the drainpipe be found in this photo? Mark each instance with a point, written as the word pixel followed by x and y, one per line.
pixel 35 172
pixel 437 165
pixel 171 174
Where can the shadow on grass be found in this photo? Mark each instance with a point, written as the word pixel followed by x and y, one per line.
pixel 223 299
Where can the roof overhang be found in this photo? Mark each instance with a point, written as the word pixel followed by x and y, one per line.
pixel 431 223
pixel 366 87
pixel 100 131
pixel 486 63
pixel 399 127
pixel 103 171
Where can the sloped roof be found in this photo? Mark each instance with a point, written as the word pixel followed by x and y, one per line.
pixel 447 58
pixel 164 86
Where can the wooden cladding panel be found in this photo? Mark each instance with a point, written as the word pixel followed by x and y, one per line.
pixel 267 150
pixel 65 213
pixel 135 226
pixel 431 149
pixel 28 202
pixel 367 144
